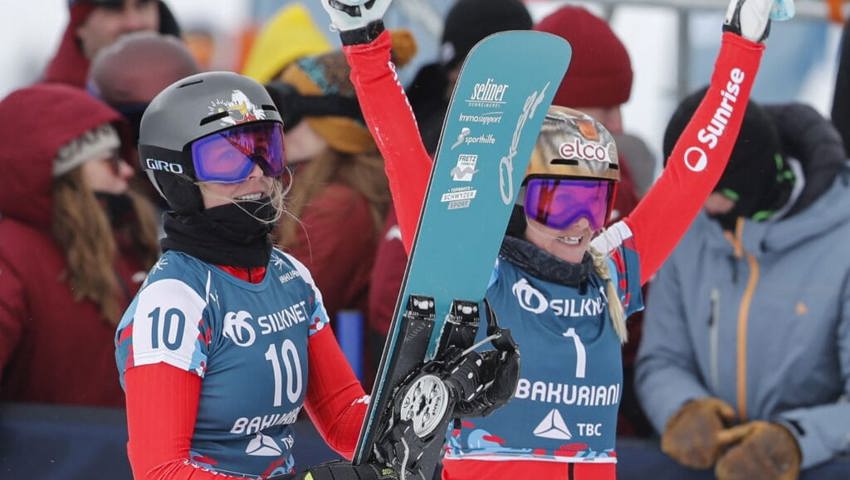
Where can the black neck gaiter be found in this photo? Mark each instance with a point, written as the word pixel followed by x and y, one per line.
pixel 538 262
pixel 543 265
pixel 226 235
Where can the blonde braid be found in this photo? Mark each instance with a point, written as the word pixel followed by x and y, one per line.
pixel 615 307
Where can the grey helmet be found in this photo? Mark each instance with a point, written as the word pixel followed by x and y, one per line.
pixel 187 110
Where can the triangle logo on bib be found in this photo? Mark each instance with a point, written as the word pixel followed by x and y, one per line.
pixel 553 426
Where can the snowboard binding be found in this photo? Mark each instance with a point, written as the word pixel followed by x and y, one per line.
pixel 459 382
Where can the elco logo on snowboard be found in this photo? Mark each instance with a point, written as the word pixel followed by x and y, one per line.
pixel 529 297
pixel 237 328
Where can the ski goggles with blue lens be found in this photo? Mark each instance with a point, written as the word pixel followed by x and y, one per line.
pixel 558 203
pixel 229 156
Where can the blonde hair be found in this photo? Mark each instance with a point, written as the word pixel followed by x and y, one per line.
pixel 82 229
pixel 363 172
pixel 615 306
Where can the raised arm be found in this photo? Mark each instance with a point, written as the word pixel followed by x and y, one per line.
pixel 703 149
pixel 385 106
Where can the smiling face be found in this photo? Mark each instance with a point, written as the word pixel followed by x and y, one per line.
pixel 569 243
pixel 255 187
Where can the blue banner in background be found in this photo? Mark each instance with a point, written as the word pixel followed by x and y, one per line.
pixel 350 333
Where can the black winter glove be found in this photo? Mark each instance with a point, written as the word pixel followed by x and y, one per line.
pixel 342 470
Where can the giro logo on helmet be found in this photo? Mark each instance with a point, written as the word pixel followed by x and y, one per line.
pixel 583 151
pixel 164 166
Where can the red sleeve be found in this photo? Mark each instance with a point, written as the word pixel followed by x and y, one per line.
pixel 13 311
pixel 162 404
pixel 391 121
pixel 699 157
pixel 335 400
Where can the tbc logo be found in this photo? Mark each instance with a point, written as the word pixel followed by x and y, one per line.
pixel 529 297
pixel 263 446
pixel 237 328
pixel 695 159
pixel 553 426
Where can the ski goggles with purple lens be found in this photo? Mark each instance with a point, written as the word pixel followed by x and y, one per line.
pixel 229 156
pixel 558 203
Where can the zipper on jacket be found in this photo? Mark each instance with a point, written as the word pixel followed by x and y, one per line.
pixel 713 341
pixel 743 317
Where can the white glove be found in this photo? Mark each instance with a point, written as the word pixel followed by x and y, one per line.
pixel 749 18
pixel 347 15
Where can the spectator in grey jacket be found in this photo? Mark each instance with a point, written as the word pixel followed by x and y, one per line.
pixel 745 354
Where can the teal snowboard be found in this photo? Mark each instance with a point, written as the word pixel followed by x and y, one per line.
pixel 504 90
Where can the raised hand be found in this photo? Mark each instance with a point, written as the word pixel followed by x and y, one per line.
pixel 751 18
pixel 348 15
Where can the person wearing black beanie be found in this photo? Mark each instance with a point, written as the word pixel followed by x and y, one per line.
pixel 466 23
pixel 469 21
pixel 758 181
pixel 762 273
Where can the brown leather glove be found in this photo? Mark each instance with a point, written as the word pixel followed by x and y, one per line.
pixel 764 451
pixel 690 436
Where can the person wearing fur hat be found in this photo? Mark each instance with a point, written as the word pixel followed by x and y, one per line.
pixel 95 24
pixel 745 360
pixel 339 182
pixel 76 244
pixel 561 419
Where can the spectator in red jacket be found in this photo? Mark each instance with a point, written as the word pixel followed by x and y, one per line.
pixel 76 246
pixel 94 24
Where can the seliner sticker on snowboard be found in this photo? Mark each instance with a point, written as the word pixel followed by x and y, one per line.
pixel 504 89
